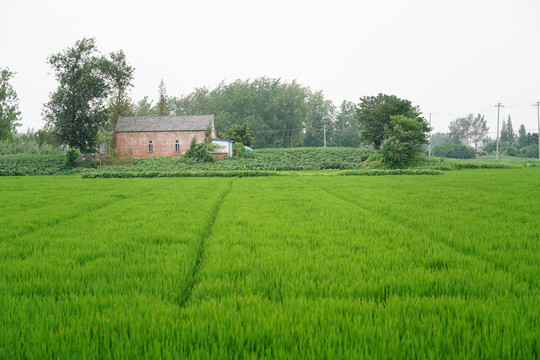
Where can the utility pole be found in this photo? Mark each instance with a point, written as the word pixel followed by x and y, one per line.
pixel 324 127
pixel 429 148
pixel 538 112
pixel 498 106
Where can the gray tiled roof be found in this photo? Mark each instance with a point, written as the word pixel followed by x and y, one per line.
pixel 163 123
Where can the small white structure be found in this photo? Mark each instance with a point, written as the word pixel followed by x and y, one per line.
pixel 225 148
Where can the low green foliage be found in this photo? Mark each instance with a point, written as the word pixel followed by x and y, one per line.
pixel 239 150
pixel 262 159
pixel 199 152
pixel 456 151
pixel 27 146
pixel 28 164
pixel 403 140
pixel 436 163
pixel 177 173
pixel 32 164
pixel 72 156
pixel 240 134
pixel 378 172
pixel 511 151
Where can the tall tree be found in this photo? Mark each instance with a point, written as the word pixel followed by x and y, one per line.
pixel 479 131
pixel 522 136
pixel 320 116
pixel 403 141
pixel 143 107
pixel 346 128
pixel 469 130
pixel 120 77
pixel 460 130
pixel 507 132
pixel 162 100
pixel 510 130
pixel 241 134
pixel 374 113
pixel 77 109
pixel 195 103
pixel 10 115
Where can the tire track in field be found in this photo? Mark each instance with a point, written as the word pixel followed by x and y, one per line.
pixel 447 244
pixel 191 281
pixel 59 221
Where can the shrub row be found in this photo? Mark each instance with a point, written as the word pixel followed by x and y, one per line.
pixel 455 164
pixel 177 173
pixel 268 159
pixel 376 172
pixel 33 164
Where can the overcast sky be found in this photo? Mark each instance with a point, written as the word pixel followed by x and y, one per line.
pixel 450 58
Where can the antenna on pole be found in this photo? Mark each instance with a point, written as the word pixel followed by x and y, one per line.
pixel 538 112
pixel 498 106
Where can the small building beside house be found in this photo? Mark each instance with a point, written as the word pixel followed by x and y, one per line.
pixel 157 136
pixel 225 148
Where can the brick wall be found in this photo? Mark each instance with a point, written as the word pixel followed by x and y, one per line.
pixel 164 143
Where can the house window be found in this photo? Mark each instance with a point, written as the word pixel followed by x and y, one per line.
pixel 177 146
pixel 150 146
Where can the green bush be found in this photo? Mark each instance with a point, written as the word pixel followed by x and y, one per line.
pixel 178 173
pixel 455 151
pixel 530 151
pixel 199 152
pixel 404 137
pixel 511 151
pixel 239 150
pixel 377 172
pixel 72 156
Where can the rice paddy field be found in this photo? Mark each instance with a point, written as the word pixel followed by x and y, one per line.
pixel 272 267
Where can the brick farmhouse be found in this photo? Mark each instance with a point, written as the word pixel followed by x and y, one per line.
pixel 155 136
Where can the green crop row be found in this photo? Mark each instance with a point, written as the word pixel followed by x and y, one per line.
pixel 177 173
pixel 29 164
pixel 45 164
pixel 376 172
pixel 457 164
pixel 245 173
pixel 264 159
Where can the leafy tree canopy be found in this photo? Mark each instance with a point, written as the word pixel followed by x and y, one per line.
pixel 374 113
pixel 10 115
pixel 279 113
pixel 241 134
pixel 507 135
pixel 470 131
pixel 86 79
pixel 403 139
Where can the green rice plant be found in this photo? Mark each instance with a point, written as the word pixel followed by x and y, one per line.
pixel 272 267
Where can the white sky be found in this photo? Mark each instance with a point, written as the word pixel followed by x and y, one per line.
pixel 450 57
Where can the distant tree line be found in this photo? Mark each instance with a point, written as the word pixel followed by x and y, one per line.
pixel 467 138
pixel 522 144
pixel 279 113
pixel 94 91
